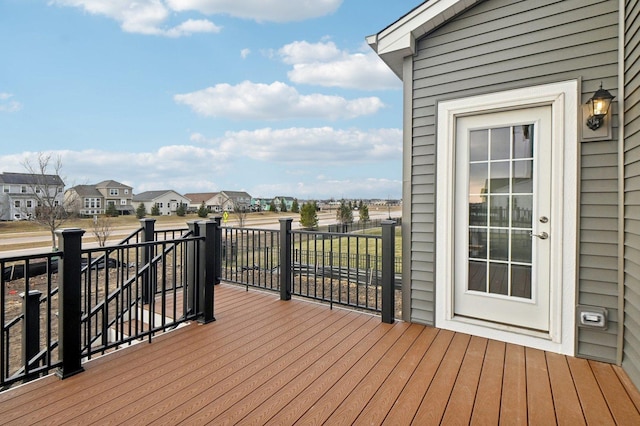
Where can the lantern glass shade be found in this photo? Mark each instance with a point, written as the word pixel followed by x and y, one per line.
pixel 599 107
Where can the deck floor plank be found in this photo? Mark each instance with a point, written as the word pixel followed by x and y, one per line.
pixel 409 400
pixel 460 405
pixel 435 401
pixel 513 408
pixel 352 405
pixel 594 406
pixel 154 372
pixel 486 409
pixel 624 411
pixel 293 408
pixel 271 399
pixel 267 382
pixel 384 398
pixel 565 396
pixel 539 397
pixel 265 361
pixel 178 395
pixel 345 384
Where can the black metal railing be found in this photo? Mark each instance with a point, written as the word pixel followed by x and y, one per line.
pixel 80 302
pixel 61 308
pixel 337 268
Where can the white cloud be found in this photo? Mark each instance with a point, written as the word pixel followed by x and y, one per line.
pixel 260 10
pixel 314 145
pixel 354 187
pixel 141 16
pixel 7 104
pixel 179 167
pixel 192 26
pixel 274 101
pixel 323 64
pixel 244 53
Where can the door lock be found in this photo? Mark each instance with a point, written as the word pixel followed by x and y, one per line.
pixel 542 235
pixel 544 219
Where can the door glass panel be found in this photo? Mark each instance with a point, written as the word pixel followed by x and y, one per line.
pixel 477 243
pixel 500 144
pixel 499 210
pixel 521 246
pixel 478 276
pixel 499 182
pixel 479 143
pixel 522 211
pixel 521 281
pixel 498 244
pixel 501 174
pixel 498 278
pixel 523 141
pixel 478 178
pixel 523 176
pixel 477 212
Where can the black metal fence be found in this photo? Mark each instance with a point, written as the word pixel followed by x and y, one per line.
pixel 337 268
pixel 59 309
pixel 63 307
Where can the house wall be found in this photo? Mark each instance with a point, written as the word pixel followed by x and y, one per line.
pixel 631 355
pixel 500 45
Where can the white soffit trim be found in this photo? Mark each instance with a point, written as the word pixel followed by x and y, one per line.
pixel 397 41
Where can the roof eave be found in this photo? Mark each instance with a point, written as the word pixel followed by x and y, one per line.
pixel 398 40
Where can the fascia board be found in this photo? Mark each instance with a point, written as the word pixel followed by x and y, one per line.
pixel 397 41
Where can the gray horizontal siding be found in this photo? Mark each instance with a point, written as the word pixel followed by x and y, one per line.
pixel 631 348
pixel 501 45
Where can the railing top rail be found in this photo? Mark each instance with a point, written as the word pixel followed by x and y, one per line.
pixel 126 239
pixel 250 229
pixel 144 244
pixel 335 234
pixel 45 254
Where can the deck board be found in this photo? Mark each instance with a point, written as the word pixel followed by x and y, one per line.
pixel 265 361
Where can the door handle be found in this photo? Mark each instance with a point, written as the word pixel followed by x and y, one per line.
pixel 542 235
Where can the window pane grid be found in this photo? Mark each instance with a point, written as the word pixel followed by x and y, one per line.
pixel 500 210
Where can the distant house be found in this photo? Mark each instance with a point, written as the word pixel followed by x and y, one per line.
pixel 506 89
pixel 197 198
pixel 85 200
pixel 118 194
pixel 260 204
pixel 23 192
pixel 167 201
pixel 231 200
pixel 288 202
pixel 89 200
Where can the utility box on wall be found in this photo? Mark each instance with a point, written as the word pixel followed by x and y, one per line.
pixel 592 317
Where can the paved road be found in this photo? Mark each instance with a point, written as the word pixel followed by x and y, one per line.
pixel 41 240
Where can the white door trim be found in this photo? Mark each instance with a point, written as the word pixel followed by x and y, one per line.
pixel 563 99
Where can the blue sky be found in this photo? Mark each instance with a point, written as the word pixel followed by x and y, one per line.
pixel 273 97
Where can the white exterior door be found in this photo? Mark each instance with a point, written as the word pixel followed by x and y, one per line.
pixel 506 211
pixel 503 222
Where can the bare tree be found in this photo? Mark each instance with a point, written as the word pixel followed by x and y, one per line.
pixel 101 229
pixel 47 189
pixel 241 212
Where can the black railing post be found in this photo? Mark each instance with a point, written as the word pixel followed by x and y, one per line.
pixel 30 327
pixel 193 267
pixel 218 251
pixel 285 258
pixel 388 271
pixel 209 276
pixel 148 284
pixel 70 302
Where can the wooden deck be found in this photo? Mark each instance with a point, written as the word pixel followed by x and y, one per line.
pixel 270 362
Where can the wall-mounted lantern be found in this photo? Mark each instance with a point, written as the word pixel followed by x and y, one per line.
pixel 598 107
pixel 597 117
